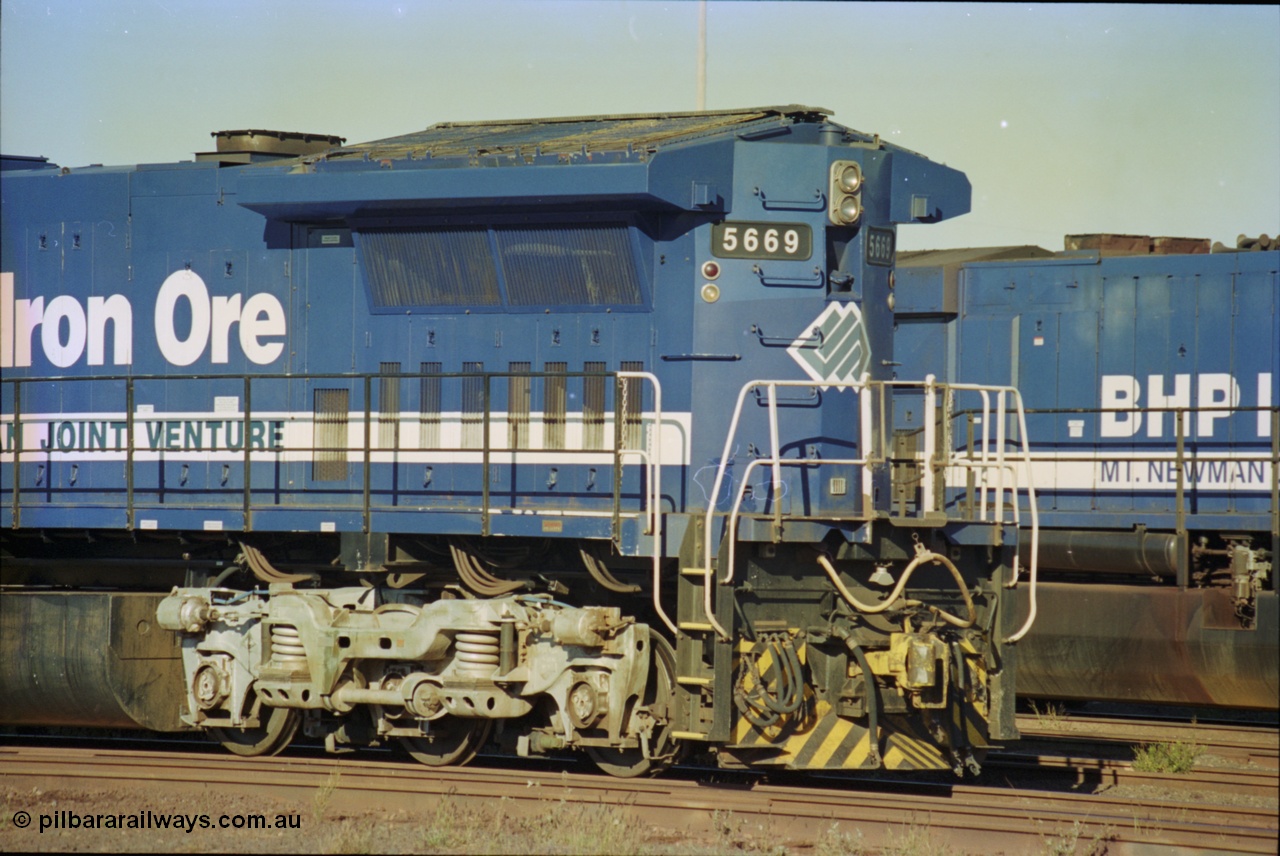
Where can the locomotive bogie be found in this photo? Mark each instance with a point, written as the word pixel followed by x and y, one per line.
pixel 412 662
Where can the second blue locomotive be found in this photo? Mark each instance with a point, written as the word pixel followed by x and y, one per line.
pixel 1150 369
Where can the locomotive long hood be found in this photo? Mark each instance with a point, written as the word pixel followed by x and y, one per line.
pixel 679 180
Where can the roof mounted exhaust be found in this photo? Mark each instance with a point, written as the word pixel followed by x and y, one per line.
pixel 256 146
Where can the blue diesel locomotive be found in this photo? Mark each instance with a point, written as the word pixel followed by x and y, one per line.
pixel 597 445
pixel 1150 369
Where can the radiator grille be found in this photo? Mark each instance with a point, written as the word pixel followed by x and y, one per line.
pixel 553 408
pixel 429 267
pixel 473 406
pixel 568 266
pixel 593 393
pixel 429 407
pixel 389 407
pixel 632 391
pixel 518 407
pixel 329 436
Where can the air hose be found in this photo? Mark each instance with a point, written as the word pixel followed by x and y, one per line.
pixel 922 555
pixel 757 704
pixel 873 702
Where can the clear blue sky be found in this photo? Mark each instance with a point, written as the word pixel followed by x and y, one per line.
pixel 1068 118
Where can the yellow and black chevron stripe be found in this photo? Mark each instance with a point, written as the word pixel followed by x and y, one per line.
pixel 826 741
pixel 816 738
pixel 908 746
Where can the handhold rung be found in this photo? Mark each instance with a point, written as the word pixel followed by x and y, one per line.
pixel 689 735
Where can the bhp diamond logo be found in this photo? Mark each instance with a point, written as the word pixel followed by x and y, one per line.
pixel 836 352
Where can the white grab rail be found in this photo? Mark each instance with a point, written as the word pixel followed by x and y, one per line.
pixel 930 388
pixel 655 490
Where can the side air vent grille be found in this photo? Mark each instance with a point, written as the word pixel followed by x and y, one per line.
pixel 330 435
pixel 436 267
pixel 569 266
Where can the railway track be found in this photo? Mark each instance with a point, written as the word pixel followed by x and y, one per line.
pixel 1227 744
pixel 969 818
pixel 1237 760
pixel 1101 772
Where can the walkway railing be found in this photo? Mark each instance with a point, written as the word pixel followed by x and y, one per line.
pixel 941 454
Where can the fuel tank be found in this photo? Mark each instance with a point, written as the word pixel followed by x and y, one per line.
pixel 1155 644
pixel 88 659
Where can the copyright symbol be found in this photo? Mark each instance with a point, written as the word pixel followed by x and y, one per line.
pixel 21 819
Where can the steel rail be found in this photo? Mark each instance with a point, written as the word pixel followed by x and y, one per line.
pixel 1258 745
pixel 1108 771
pixel 966 815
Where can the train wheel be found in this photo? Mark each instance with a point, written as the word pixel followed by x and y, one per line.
pixel 268 739
pixel 451 742
pixel 660 700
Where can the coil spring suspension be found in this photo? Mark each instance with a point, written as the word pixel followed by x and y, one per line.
pixel 477 651
pixel 287 649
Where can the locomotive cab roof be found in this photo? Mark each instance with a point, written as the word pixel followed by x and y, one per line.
pixel 672 161
pixel 559 138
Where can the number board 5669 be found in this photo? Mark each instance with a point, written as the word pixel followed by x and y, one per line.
pixel 789 241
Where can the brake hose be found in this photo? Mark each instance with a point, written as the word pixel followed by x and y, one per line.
pixel 787 671
pixel 922 555
pixel 873 702
pixel 786 665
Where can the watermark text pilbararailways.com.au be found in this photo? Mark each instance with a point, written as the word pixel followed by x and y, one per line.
pixel 64 819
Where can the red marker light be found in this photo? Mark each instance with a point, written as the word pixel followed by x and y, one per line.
pixel 710 270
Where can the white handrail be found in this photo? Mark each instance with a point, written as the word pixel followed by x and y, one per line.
pixel 986 443
pixel 741 494
pixel 1031 492
pixel 930 440
pixel 1035 525
pixel 707 572
pixel 930 388
pixel 655 490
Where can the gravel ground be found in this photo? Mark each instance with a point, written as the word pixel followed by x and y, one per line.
pixel 158 818
pixel 446 825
